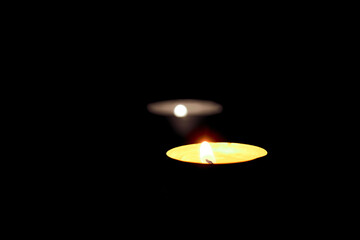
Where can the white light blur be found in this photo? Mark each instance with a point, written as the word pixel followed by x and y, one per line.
pixel 180 110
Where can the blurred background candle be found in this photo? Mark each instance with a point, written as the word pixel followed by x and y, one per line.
pixel 184 114
pixel 192 107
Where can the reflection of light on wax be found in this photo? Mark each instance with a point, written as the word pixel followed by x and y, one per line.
pixel 180 111
pixel 216 153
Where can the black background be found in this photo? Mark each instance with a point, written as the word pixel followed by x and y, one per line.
pixel 111 158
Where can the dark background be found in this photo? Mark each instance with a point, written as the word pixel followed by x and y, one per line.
pixel 95 158
pixel 264 73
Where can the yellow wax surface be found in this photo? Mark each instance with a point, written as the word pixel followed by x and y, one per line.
pixel 224 152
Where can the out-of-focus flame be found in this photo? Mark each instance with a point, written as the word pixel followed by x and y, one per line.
pixel 206 153
pixel 180 110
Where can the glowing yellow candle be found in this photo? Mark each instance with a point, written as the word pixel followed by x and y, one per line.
pixel 216 153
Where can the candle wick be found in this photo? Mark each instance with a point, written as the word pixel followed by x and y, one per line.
pixel 209 162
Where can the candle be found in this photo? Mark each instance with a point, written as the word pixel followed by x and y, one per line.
pixel 185 107
pixel 184 115
pixel 216 153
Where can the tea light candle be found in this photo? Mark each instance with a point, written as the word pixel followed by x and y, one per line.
pixel 184 107
pixel 216 153
pixel 184 114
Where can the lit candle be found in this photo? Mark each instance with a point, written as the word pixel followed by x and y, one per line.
pixel 185 107
pixel 216 153
pixel 184 114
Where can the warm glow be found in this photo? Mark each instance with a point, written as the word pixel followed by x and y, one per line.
pixel 180 111
pixel 206 153
pixel 223 152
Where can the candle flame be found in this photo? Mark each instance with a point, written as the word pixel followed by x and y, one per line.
pixel 180 110
pixel 206 153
